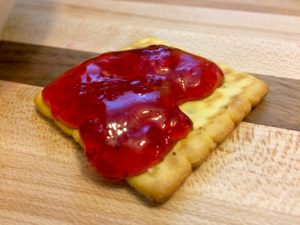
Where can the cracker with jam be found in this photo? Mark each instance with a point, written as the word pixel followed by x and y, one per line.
pixel 151 113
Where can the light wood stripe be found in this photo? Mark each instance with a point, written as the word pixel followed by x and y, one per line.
pixel 289 7
pixel 252 178
pixel 192 15
pixel 38 65
pixel 256 47
pixel 235 18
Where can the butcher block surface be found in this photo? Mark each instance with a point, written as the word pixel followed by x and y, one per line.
pixel 252 178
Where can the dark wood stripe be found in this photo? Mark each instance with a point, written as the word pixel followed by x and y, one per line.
pixel 36 65
pixel 281 107
pixel 39 65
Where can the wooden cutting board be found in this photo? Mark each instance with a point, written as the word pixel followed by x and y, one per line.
pixel 252 178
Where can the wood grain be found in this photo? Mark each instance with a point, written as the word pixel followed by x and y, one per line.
pixel 5 10
pixel 36 65
pixel 281 107
pixel 252 178
pixel 289 7
pixel 39 65
pixel 248 42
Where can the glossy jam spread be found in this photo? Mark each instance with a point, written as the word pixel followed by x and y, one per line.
pixel 125 104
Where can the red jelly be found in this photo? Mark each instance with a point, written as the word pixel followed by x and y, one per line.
pixel 125 104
